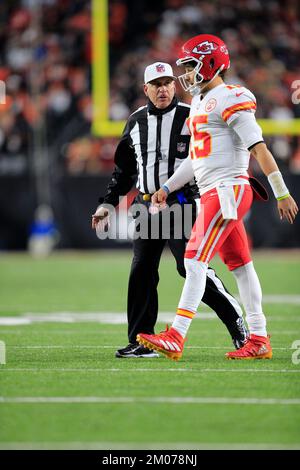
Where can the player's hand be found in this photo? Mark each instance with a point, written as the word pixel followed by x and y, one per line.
pixel 159 198
pixel 100 215
pixel 287 209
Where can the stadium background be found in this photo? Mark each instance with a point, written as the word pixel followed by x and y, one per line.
pixel 69 92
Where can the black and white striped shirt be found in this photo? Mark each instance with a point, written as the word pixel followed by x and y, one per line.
pixel 153 145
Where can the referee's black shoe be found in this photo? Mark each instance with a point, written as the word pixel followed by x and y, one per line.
pixel 136 350
pixel 239 333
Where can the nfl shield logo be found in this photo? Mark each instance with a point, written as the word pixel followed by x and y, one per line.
pixel 160 68
pixel 181 147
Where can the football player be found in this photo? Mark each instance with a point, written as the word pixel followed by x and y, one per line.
pixel 223 133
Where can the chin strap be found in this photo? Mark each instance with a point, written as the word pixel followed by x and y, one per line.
pixel 197 89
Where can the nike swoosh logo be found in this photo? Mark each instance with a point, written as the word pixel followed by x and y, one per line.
pixel 239 94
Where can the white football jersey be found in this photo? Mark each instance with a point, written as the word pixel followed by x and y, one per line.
pixel 223 128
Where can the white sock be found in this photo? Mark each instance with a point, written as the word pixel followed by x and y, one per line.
pixel 181 322
pixel 191 295
pixel 251 297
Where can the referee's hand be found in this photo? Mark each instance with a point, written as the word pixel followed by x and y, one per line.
pixel 159 198
pixel 100 215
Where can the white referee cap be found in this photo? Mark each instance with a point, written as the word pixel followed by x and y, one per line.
pixel 158 70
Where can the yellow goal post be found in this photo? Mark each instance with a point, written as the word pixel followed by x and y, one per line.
pixel 102 126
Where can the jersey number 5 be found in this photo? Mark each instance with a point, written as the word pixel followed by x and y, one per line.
pixel 201 147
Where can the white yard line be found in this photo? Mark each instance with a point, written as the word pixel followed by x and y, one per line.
pixel 145 369
pixel 158 400
pixel 116 347
pixel 290 299
pixel 120 318
pixel 145 445
pixel 284 332
pixel 74 332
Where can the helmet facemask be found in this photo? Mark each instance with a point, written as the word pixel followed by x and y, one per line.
pixel 195 88
pixel 192 88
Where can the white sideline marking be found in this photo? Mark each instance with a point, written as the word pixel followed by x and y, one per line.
pixel 290 299
pixel 284 332
pixel 109 318
pixel 14 321
pixel 144 369
pixel 116 347
pixel 171 400
pixel 119 318
pixel 148 446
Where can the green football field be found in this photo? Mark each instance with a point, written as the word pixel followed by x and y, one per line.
pixel 62 387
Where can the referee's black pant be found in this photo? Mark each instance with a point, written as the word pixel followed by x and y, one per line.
pixel 142 303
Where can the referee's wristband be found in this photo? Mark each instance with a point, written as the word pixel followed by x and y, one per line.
pixel 166 189
pixel 278 185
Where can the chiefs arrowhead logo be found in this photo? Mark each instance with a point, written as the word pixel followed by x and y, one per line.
pixel 205 47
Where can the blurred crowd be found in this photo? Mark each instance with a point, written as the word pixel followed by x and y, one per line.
pixel 45 62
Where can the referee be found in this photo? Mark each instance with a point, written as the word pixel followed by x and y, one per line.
pixel 153 145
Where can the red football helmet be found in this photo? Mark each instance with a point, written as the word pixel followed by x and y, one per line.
pixel 210 55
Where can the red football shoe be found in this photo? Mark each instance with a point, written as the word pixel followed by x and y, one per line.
pixel 257 347
pixel 169 342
